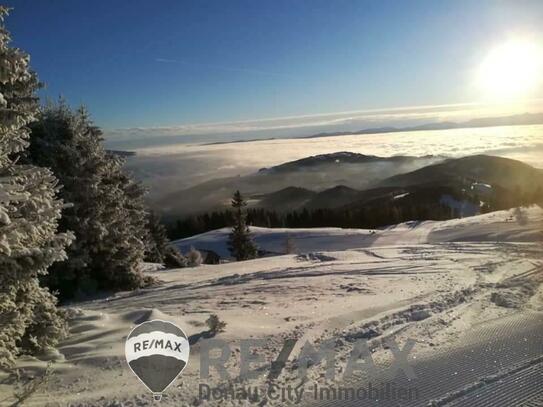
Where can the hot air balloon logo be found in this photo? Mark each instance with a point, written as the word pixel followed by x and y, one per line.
pixel 157 352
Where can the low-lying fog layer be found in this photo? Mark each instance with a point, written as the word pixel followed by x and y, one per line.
pixel 175 167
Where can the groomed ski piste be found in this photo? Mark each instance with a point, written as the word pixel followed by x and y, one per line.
pixel 468 291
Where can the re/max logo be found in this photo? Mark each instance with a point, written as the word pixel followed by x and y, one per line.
pixel 252 363
pixel 157 344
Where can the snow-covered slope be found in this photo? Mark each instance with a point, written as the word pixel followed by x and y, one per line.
pixel 516 225
pixel 438 293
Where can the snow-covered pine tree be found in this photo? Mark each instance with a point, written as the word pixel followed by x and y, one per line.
pixel 157 239
pixel 173 258
pixel 29 213
pixel 194 257
pixel 240 242
pixel 158 248
pixel 117 264
pixel 107 212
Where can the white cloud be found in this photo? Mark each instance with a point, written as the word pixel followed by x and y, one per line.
pixel 339 121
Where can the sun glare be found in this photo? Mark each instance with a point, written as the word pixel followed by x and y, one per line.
pixel 512 70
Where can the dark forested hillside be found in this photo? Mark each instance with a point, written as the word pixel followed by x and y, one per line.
pixel 454 188
pixel 315 173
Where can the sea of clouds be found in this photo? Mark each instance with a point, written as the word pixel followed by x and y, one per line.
pixel 174 167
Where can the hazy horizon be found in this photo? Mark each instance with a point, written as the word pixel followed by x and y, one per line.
pixel 309 126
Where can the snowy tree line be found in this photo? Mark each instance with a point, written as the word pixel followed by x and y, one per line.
pixel 364 216
pixel 29 216
pixel 114 231
pixel 72 222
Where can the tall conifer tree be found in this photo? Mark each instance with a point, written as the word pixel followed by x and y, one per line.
pixel 240 242
pixel 29 212
pixel 106 209
pixel 158 247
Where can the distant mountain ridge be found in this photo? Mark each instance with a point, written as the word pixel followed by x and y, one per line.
pixel 289 198
pixel 450 188
pixel 351 180
pixel 333 198
pixel 285 182
pixel 451 177
pixel 504 172
pixel 341 157
pixel 512 120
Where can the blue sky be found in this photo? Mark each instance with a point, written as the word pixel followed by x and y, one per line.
pixel 168 63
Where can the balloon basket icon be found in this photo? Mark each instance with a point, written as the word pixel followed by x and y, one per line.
pixel 157 396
